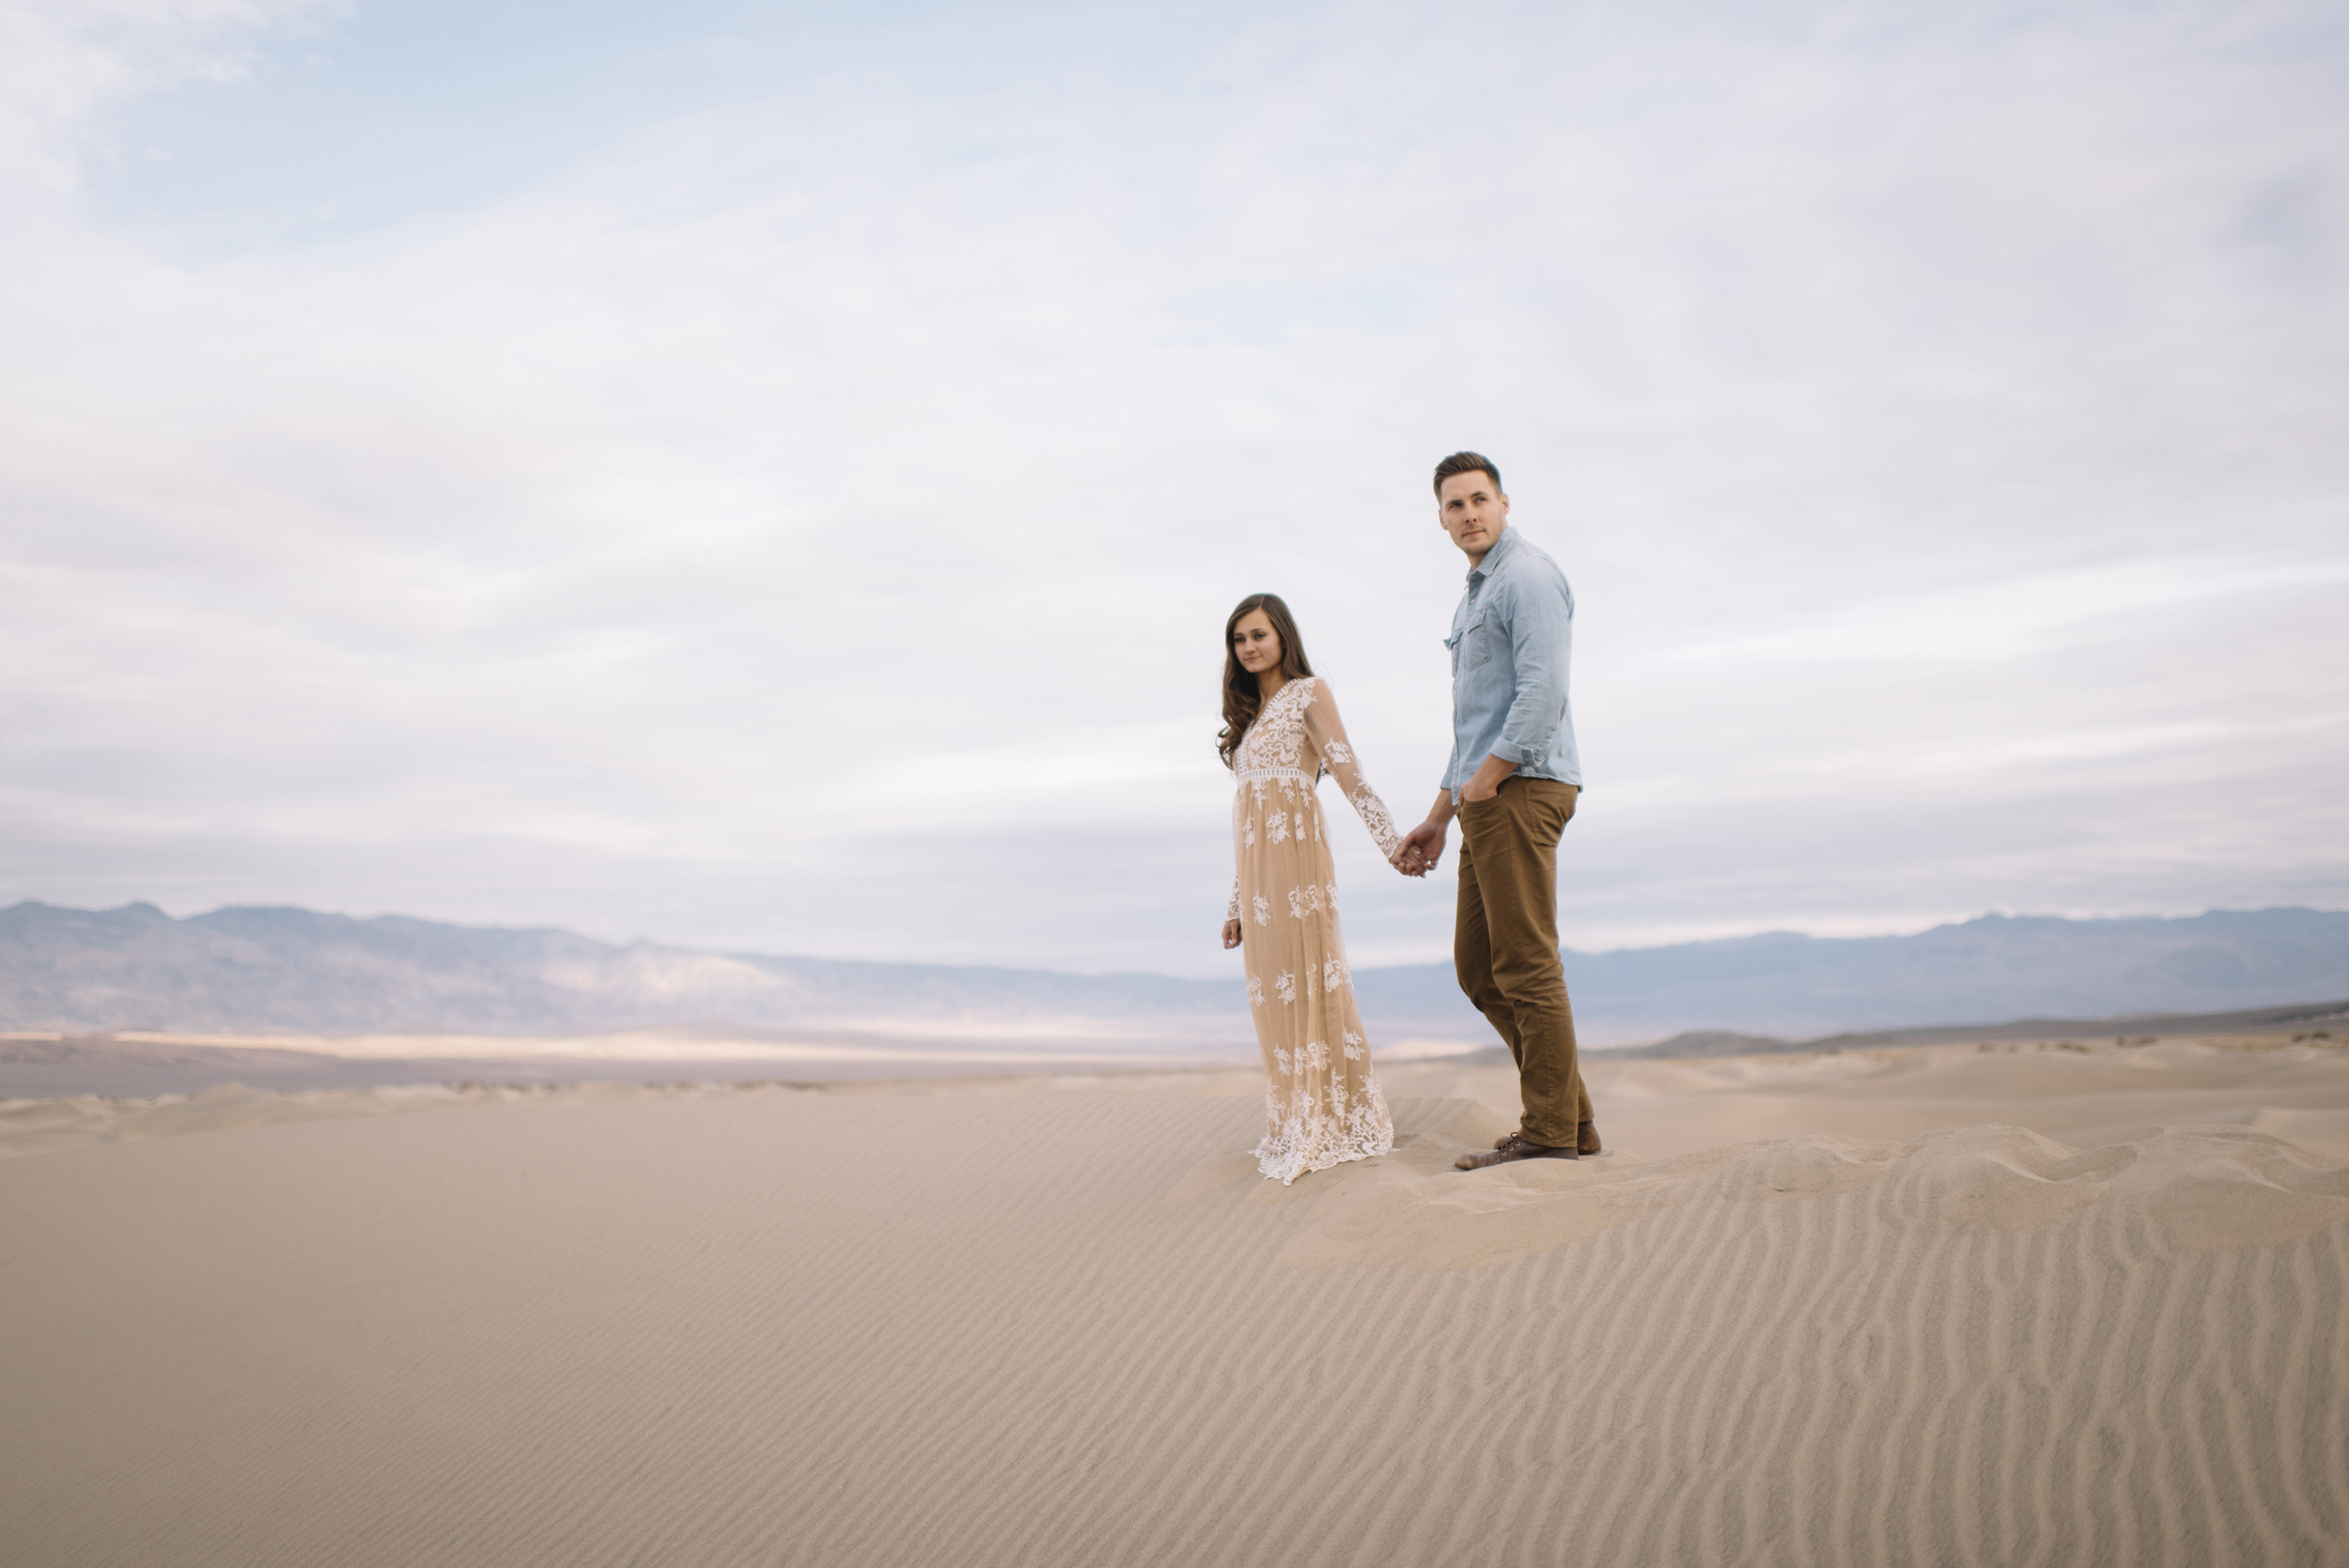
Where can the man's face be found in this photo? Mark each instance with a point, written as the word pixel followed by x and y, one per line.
pixel 1474 511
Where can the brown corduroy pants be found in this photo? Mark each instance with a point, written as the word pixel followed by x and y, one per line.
pixel 1505 946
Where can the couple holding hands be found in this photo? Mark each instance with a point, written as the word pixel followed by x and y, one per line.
pixel 1512 783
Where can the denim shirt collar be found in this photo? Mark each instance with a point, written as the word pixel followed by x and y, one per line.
pixel 1492 559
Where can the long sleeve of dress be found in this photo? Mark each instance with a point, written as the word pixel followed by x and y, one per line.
pixel 1231 910
pixel 1328 734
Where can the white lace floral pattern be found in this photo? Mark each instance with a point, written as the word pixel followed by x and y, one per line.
pixel 1323 1104
pixel 1301 1136
pixel 1373 811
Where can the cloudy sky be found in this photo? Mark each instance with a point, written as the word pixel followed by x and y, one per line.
pixel 772 476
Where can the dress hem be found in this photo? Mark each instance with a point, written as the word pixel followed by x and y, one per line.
pixel 1273 1171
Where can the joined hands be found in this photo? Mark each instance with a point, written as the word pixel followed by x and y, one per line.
pixel 1422 846
pixel 1421 849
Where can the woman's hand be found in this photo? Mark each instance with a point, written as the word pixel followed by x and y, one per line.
pixel 1231 933
pixel 1421 847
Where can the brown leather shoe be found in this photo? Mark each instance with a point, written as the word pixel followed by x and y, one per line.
pixel 1511 1148
pixel 1585 1139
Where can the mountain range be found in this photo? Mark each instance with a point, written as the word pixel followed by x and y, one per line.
pixel 292 971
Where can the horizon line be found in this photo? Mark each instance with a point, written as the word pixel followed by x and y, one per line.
pixel 742 954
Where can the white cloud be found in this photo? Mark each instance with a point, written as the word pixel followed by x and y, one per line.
pixel 64 62
pixel 806 522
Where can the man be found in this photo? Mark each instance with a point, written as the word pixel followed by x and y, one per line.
pixel 1511 781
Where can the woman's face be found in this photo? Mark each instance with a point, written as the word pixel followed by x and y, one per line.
pixel 1255 643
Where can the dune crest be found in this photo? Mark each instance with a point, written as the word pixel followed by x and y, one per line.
pixel 2195 1188
pixel 39 1127
pixel 2232 1189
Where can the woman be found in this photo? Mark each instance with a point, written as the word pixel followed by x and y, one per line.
pixel 1281 733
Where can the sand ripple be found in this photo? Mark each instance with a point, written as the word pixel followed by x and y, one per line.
pixel 1067 1329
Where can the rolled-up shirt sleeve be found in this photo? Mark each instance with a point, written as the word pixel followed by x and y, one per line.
pixel 1541 647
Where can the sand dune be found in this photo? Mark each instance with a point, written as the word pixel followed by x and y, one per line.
pixel 1035 1324
pixel 144 1064
pixel 2078 1095
pixel 37 1126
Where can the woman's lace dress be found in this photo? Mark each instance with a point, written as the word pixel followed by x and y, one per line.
pixel 1322 1105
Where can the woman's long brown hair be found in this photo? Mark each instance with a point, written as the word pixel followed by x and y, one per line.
pixel 1241 698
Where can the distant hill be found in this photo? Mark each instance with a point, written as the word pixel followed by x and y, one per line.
pixel 296 971
pixel 2328 1022
pixel 287 969
pixel 1987 971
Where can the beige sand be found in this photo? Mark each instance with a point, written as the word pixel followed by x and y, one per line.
pixel 2081 1093
pixel 1045 1323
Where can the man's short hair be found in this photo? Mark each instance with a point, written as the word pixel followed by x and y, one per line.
pixel 1466 462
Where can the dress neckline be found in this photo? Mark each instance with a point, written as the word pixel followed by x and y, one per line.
pixel 1256 726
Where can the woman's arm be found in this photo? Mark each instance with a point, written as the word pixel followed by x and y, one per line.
pixel 1328 733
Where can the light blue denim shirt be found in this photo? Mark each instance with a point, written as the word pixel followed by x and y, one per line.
pixel 1512 640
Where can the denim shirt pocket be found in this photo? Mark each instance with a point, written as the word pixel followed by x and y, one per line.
pixel 1475 640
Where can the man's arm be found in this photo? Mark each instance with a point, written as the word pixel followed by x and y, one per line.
pixel 1540 609
pixel 1485 782
pixel 1423 845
